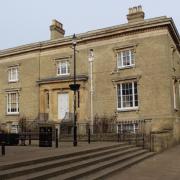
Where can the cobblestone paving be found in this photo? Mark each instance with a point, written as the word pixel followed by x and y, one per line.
pixel 163 166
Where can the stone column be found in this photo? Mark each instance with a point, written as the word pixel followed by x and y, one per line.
pixel 50 105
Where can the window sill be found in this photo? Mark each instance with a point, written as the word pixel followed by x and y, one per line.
pixel 12 114
pixel 125 67
pixel 13 81
pixel 128 109
pixel 63 75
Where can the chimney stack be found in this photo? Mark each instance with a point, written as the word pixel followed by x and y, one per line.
pixel 56 29
pixel 135 14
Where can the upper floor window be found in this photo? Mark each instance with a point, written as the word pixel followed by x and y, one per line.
pixel 125 58
pixel 127 95
pixel 12 103
pixel 63 67
pixel 13 74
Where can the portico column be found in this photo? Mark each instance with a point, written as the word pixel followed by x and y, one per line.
pixel 50 105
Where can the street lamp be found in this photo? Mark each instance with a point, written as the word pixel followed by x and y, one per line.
pixel 74 87
pixel 91 59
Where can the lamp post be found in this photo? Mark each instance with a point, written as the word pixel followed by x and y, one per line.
pixel 74 87
pixel 91 59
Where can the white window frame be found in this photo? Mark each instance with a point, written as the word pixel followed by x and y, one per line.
pixel 13 74
pixel 120 61
pixel 122 108
pixel 175 94
pixel 9 102
pixel 59 64
pixel 179 90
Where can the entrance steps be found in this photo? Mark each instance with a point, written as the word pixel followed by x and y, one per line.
pixel 89 164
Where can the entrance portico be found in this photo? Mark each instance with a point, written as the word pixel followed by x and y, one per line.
pixel 56 98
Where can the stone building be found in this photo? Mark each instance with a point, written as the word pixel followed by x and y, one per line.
pixel 136 74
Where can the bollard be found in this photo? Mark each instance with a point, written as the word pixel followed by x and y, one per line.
pixel 56 134
pixel 3 148
pixel 89 136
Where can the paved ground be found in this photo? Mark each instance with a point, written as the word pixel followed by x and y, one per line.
pixel 164 166
pixel 22 153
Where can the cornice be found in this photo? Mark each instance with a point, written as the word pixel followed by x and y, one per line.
pixel 62 79
pixel 101 34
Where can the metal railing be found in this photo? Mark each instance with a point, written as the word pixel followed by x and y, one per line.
pixel 134 132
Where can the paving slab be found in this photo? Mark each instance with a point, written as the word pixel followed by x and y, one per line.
pixel 25 153
pixel 163 166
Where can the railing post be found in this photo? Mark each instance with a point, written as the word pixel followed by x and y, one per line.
pixel 136 138
pixel 89 135
pixel 150 143
pixel 143 140
pixel 3 149
pixel 29 137
pixel 118 134
pixel 56 136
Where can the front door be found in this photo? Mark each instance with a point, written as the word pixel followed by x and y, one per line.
pixel 63 105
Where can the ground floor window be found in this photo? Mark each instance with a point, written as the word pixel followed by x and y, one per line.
pixel 127 95
pixel 128 128
pixel 12 103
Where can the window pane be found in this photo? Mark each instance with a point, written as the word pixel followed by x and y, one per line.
pixel 119 63
pixel 132 57
pixel 63 68
pixel 125 58
pixel 13 74
pixel 12 103
pixel 129 96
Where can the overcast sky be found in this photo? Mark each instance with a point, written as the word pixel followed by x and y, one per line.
pixel 28 21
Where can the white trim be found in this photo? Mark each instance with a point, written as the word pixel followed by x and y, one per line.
pixel 128 109
pixel 179 89
pixel 174 94
pixel 133 95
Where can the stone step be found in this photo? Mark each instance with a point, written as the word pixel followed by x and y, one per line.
pixel 15 172
pixel 62 156
pixel 107 172
pixel 84 167
pixel 95 168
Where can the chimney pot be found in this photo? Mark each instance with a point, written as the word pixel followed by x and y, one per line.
pixel 56 29
pixel 135 14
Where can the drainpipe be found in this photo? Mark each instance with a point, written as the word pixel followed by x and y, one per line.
pixel 91 59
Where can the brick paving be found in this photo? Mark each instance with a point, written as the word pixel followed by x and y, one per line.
pixel 163 166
